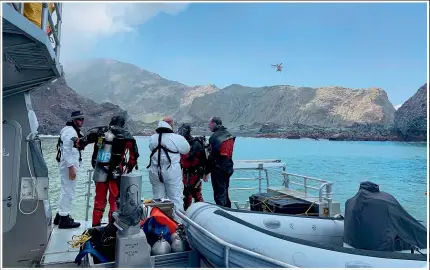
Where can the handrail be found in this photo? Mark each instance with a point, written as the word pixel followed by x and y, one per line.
pixel 55 28
pixel 88 194
pixel 324 184
pixel 45 19
pixel 324 190
pixel 229 246
pixel 308 177
pixel 258 161
pixel 19 7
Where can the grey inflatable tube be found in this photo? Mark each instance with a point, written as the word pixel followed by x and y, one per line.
pixel 284 245
pixel 321 230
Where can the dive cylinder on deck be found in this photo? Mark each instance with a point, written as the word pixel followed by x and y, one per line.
pixel 161 247
pixel 179 240
pixel 104 156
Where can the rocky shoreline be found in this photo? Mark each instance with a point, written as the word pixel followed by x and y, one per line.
pixel 333 137
pixel 327 135
pixel 353 133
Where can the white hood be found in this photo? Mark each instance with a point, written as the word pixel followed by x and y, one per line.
pixel 164 124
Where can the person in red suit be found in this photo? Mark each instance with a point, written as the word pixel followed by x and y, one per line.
pixel 125 166
pixel 193 167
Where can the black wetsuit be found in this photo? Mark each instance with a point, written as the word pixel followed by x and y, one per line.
pixel 220 164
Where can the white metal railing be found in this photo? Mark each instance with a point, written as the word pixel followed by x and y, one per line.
pixel 88 194
pixel 46 18
pixel 324 185
pixel 324 188
pixel 260 168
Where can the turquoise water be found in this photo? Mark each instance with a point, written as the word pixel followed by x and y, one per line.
pixel 398 168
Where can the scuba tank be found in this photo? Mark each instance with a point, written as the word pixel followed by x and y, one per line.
pixel 161 247
pixel 205 146
pixel 179 232
pixel 179 241
pixel 179 244
pixel 103 156
pixel 175 235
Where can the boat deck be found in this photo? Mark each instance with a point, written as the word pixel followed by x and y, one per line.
pixel 58 251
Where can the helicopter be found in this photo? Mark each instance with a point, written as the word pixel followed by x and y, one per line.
pixel 278 67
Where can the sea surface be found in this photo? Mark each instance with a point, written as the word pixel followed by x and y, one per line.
pixel 398 168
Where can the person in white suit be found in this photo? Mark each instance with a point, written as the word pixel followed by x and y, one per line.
pixel 165 173
pixel 69 157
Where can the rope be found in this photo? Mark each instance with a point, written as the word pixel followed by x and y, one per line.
pixel 306 212
pixel 79 240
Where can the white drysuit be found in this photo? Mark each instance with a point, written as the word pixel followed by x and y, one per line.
pixel 69 157
pixel 172 188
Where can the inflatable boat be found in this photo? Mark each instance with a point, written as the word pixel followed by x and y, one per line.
pixel 317 229
pixel 202 220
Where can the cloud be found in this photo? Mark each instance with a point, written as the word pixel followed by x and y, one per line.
pixel 83 24
pixel 398 106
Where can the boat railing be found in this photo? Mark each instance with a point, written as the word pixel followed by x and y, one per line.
pixel 88 194
pixel 47 19
pixel 323 187
pixel 259 167
pixel 227 246
pixel 252 165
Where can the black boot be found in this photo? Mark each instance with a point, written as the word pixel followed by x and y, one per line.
pixel 67 222
pixel 57 219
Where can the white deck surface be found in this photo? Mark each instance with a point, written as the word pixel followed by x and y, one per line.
pixel 58 251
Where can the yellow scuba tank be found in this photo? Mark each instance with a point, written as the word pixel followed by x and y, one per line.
pixel 104 155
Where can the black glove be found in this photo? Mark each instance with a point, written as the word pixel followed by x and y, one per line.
pixel 79 143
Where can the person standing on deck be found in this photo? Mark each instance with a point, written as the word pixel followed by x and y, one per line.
pixel 69 157
pixel 193 167
pixel 116 125
pixel 220 162
pixel 165 172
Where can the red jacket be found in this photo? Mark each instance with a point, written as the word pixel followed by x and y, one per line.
pixel 226 148
pixel 195 157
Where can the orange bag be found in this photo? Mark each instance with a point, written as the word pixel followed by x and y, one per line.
pixel 164 219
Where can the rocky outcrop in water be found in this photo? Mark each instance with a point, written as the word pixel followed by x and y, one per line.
pixel 285 105
pixel 411 118
pixel 357 132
